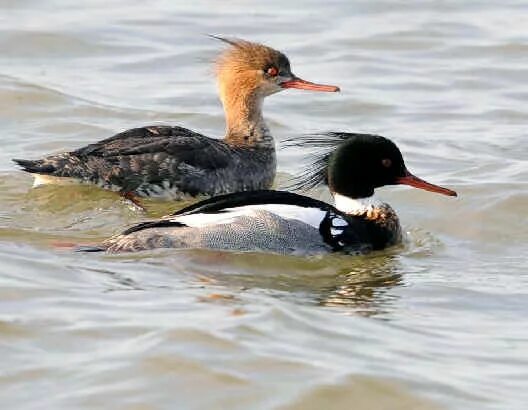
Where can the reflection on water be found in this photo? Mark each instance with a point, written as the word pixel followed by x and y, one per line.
pixel 439 319
pixel 359 285
pixel 365 288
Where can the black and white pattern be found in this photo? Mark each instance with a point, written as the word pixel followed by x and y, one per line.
pixel 272 221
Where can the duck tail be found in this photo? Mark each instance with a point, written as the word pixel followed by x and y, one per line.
pixel 39 166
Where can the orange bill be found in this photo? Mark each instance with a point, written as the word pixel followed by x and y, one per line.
pixel 416 182
pixel 297 82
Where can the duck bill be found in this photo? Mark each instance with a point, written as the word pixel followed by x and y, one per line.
pixel 301 84
pixel 411 180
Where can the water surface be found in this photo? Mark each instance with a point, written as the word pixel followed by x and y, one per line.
pixel 439 322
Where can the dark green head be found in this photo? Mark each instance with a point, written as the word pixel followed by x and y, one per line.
pixel 354 165
pixel 364 162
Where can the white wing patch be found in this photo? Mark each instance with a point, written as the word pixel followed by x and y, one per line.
pixel 310 216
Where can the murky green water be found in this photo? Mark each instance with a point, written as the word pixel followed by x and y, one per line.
pixel 439 322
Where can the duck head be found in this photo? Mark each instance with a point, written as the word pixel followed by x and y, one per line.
pixel 364 162
pixel 259 69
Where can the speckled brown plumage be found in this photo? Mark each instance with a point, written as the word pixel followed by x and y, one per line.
pixel 163 161
pixel 175 162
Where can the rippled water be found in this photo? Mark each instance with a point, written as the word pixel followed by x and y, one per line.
pixel 439 322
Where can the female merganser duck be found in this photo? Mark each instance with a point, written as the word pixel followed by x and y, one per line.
pixel 174 162
pixel 288 223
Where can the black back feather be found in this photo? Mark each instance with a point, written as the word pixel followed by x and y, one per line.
pixel 221 203
pixel 162 223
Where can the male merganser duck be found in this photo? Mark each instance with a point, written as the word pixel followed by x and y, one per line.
pixel 174 162
pixel 288 223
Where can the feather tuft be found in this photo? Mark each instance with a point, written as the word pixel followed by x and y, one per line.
pixel 235 42
pixel 315 172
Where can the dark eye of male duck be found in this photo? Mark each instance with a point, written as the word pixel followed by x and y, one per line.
pixel 288 223
pixel 174 162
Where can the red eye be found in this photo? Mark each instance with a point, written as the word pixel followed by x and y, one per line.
pixel 272 71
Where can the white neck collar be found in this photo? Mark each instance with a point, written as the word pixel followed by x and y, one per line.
pixel 355 206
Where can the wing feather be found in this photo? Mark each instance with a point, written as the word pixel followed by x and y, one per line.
pixel 184 145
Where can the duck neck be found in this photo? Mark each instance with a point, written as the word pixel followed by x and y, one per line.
pixel 379 215
pixel 372 210
pixel 357 206
pixel 245 124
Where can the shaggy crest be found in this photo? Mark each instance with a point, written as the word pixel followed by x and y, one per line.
pixel 245 55
pixel 315 172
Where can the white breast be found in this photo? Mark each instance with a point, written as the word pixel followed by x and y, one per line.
pixel 310 216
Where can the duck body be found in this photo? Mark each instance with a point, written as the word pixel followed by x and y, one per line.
pixel 266 221
pixel 164 161
pixel 174 162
